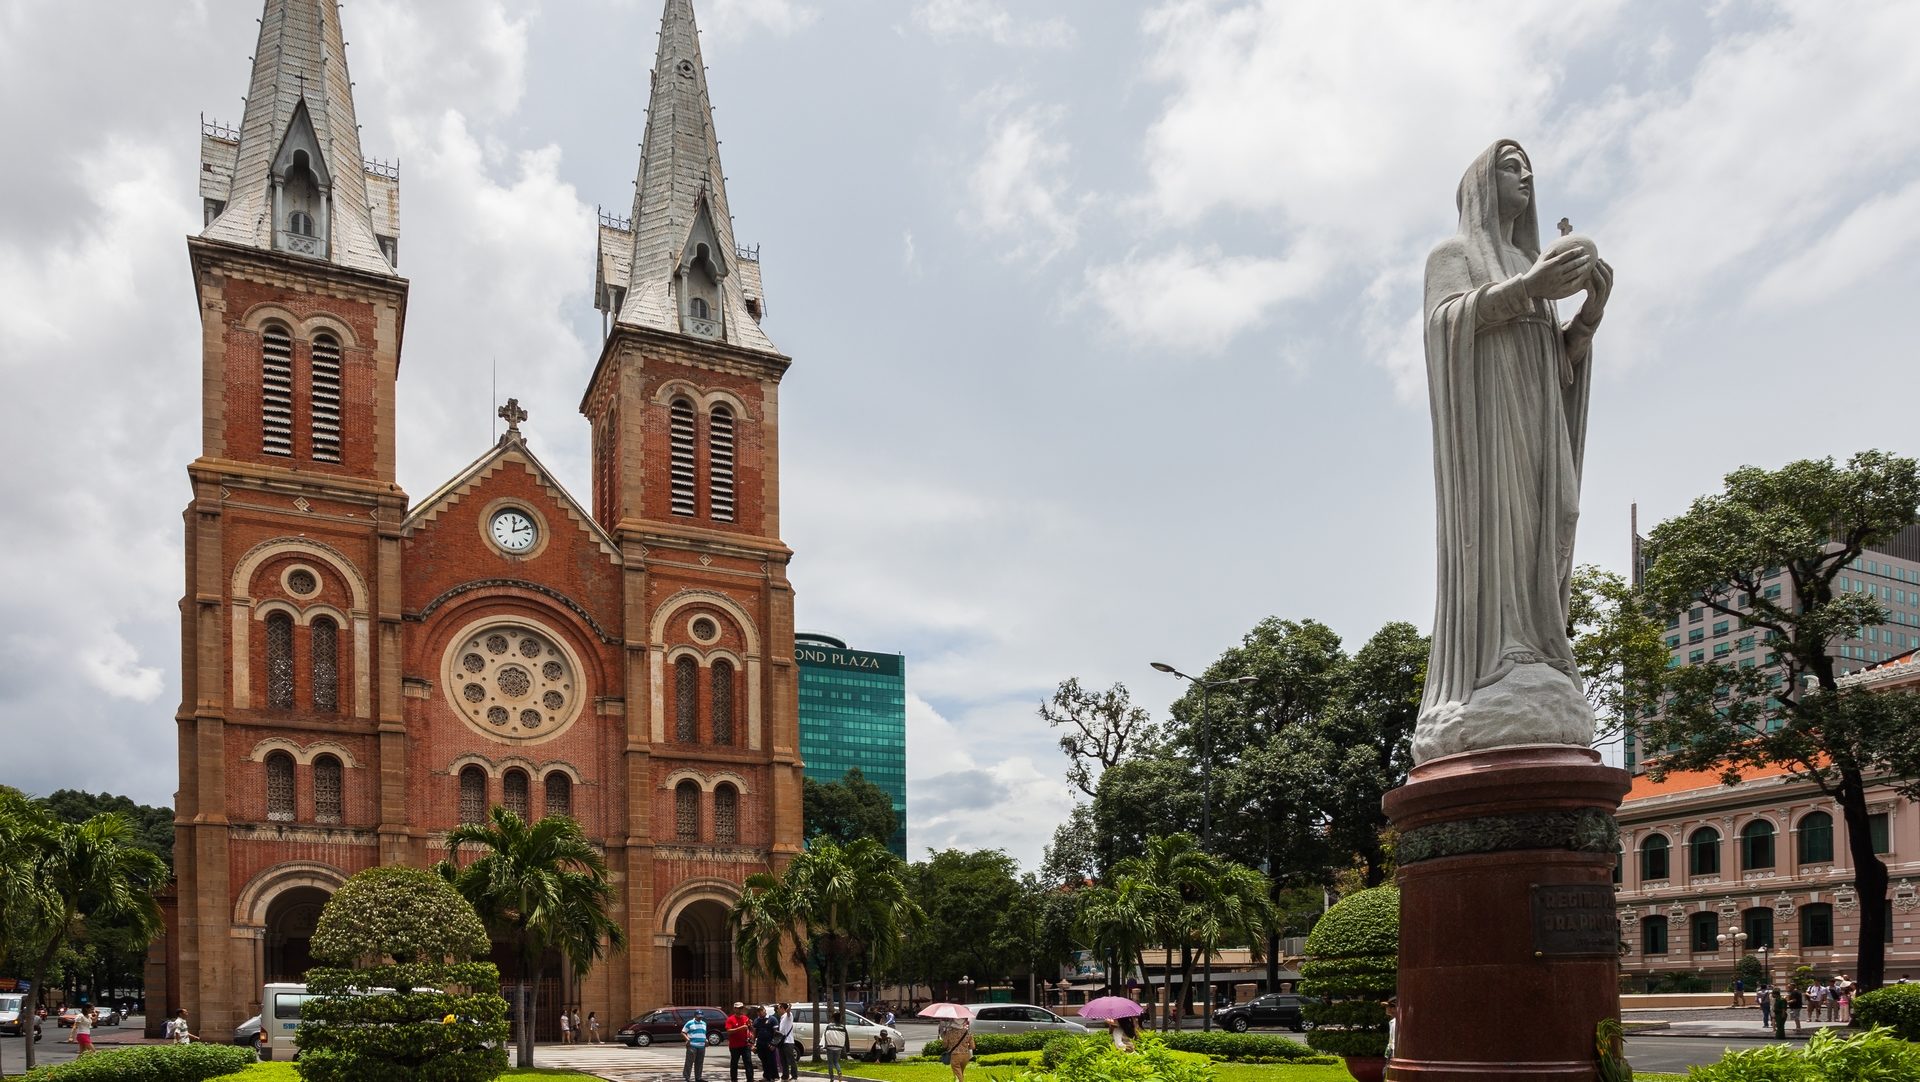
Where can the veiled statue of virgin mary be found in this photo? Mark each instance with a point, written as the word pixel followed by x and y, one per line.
pixel 1508 383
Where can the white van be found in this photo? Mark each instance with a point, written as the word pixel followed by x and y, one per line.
pixel 279 1017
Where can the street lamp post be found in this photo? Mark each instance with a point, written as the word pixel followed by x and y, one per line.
pixel 1206 807
pixel 1738 941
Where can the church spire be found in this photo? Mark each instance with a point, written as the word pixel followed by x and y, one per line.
pixel 291 178
pixel 674 265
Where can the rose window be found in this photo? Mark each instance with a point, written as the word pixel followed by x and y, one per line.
pixel 513 682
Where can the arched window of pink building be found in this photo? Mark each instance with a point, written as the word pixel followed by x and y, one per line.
pixel 1816 925
pixel 1703 852
pixel 1816 838
pixel 1653 857
pixel 1756 845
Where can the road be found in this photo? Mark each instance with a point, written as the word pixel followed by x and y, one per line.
pixel 54 1049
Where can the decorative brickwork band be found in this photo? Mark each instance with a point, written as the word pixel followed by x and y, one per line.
pixel 1582 830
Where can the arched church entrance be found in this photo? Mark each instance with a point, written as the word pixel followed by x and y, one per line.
pixel 704 973
pixel 291 917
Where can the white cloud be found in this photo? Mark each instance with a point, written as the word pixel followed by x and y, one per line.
pixel 405 55
pixel 1198 299
pixel 985 18
pixel 734 18
pixel 1016 190
pixel 960 799
pixel 1879 231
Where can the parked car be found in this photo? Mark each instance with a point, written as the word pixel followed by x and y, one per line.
pixel 247 1033
pixel 1272 1009
pixel 664 1025
pixel 1018 1018
pixel 10 1007
pixel 865 1037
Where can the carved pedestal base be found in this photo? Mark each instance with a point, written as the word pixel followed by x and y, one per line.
pixel 1508 935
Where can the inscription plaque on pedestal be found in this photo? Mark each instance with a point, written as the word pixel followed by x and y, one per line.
pixel 1574 919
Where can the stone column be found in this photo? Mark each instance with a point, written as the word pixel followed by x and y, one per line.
pixel 1509 939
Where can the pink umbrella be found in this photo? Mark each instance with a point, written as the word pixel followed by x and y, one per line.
pixel 1112 1007
pixel 946 1010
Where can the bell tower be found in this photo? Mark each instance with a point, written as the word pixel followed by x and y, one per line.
pixel 685 408
pixel 290 623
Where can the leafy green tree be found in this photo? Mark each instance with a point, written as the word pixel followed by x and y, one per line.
pixel 1118 921
pixel 829 907
pixel 1617 645
pixel 152 826
pixel 967 896
pixel 1167 880
pixel 540 887
pixel 78 875
pixel 1041 928
pixel 1072 858
pixel 1235 906
pixel 847 810
pixel 1807 521
pixel 400 997
pixel 1369 737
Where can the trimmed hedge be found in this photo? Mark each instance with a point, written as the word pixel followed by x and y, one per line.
pixel 1352 966
pixel 1219 1045
pixel 149 1063
pixel 1896 1006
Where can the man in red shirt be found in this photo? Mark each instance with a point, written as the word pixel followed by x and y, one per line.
pixel 739 1043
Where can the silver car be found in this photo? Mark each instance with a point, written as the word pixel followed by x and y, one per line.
pixel 1018 1018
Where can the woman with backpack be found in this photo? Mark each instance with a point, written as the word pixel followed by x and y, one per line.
pixel 834 1043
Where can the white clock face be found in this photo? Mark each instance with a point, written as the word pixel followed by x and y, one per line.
pixel 514 531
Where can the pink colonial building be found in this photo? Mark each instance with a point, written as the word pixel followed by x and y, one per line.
pixel 1767 857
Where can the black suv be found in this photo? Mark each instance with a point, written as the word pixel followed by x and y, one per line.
pixel 1273 1009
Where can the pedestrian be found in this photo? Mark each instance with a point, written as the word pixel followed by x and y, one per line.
pixel 1764 997
pixel 957 1039
pixel 887 1020
pixel 834 1043
pixel 593 1027
pixel 766 1043
pixel 1739 992
pixel 566 1027
pixel 1796 998
pixel 177 1030
pixel 789 1050
pixel 83 1030
pixel 695 1067
pixel 1125 1032
pixel 1393 1023
pixel 578 1030
pixel 739 1043
pixel 1843 998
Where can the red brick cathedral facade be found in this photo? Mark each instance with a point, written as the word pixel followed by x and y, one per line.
pixel 361 672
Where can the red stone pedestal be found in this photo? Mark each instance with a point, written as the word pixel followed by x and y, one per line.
pixel 1504 971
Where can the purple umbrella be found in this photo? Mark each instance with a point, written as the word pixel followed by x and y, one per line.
pixel 1112 1007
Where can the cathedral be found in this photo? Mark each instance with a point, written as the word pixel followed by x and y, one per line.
pixel 362 671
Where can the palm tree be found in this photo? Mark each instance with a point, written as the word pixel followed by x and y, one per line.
pixel 1118 920
pixel 1172 876
pixel 76 873
pixel 830 905
pixel 541 887
pixel 1235 904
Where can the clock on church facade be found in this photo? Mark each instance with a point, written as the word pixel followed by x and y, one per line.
pixel 363 671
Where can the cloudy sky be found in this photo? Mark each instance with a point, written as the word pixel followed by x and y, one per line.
pixel 1103 314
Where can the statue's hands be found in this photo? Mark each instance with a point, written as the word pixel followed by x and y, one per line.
pixel 1598 291
pixel 1558 277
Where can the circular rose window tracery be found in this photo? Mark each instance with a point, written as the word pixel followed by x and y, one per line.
pixel 512 681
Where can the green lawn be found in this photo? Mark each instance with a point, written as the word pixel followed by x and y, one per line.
pixel 1223 1072
pixel 284 1072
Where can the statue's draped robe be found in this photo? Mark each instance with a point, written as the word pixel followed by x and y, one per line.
pixel 1509 426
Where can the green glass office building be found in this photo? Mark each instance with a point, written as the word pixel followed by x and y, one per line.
pixel 853 712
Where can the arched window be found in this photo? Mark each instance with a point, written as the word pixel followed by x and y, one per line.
pixel 1653 857
pixel 1816 925
pixel 514 792
pixel 698 306
pixel 325 640
pixel 326 399
pixel 1758 924
pixel 1816 838
pixel 1653 935
pixel 328 789
pixel 473 794
pixel 720 463
pixel 276 390
pixel 280 787
pixel 559 794
pixel 726 814
pixel 686 811
pixel 1703 852
pixel 300 223
pixel 680 436
pixel 279 660
pixel 1706 932
pixel 722 705
pixel 1756 845
pixel 686 701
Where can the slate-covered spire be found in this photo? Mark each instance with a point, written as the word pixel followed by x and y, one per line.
pixel 674 266
pixel 291 178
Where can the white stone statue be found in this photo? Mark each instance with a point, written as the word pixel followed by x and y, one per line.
pixel 1508 384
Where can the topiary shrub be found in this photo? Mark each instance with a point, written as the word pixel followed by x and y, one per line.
pixel 150 1063
pixel 1239 1047
pixel 1093 1060
pixel 993 1044
pixel 400 1000
pixel 1750 972
pixel 1875 1055
pixel 1352 966
pixel 1896 1006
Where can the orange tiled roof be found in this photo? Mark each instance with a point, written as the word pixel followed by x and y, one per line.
pixel 1683 781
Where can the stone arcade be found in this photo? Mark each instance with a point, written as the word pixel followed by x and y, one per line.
pixel 362 672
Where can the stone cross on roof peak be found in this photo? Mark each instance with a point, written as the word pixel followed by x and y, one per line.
pixel 513 415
